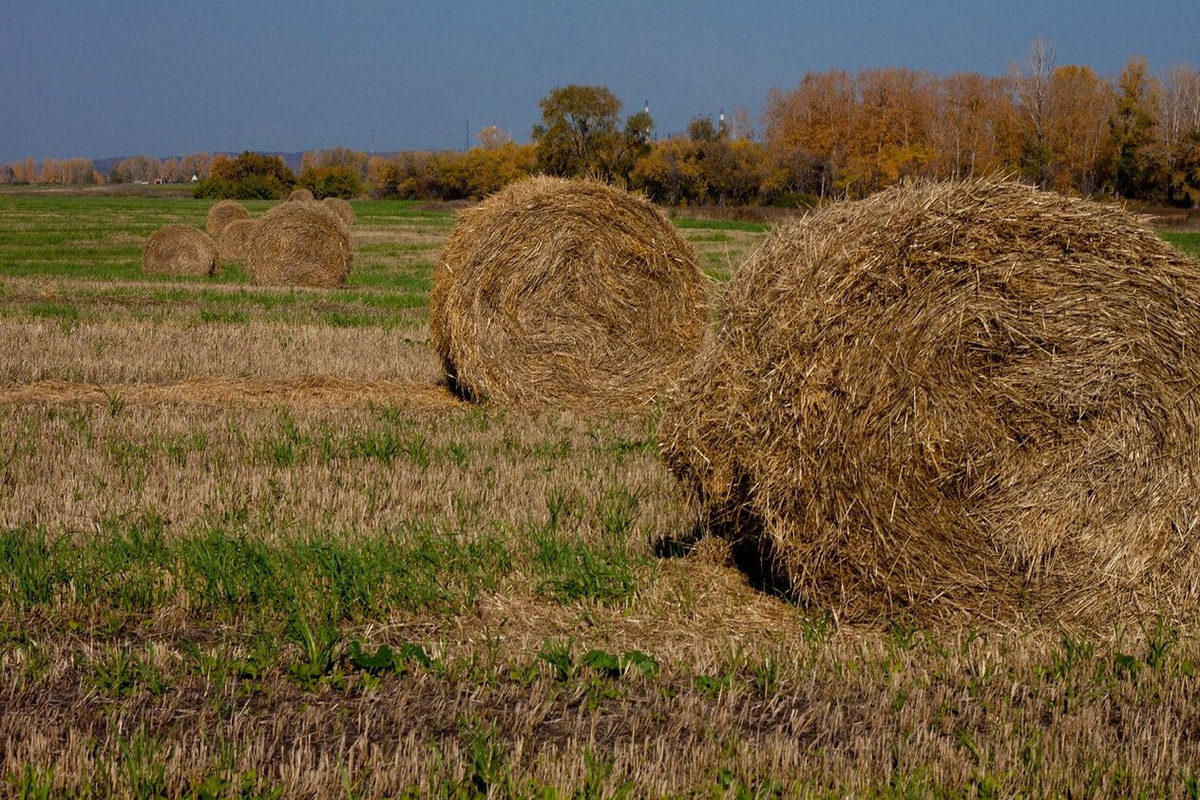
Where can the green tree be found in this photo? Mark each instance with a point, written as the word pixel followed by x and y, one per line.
pixel 1132 124
pixel 579 133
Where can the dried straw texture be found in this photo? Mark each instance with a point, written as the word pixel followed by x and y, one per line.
pixel 965 401
pixel 343 209
pixel 234 243
pixel 301 195
pixel 223 213
pixel 299 244
pixel 566 293
pixel 180 250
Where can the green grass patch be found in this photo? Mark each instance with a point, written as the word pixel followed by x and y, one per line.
pixel 131 567
pixel 223 315
pixel 688 223
pixel 63 312
pixel 1187 242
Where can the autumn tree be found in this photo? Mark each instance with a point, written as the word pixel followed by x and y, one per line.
pixel 479 172
pixel 889 137
pixel 1136 163
pixel 139 169
pixel 1031 88
pixel 807 132
pixel 78 171
pixel 1078 146
pixel 1179 132
pixel 249 176
pixel 685 171
pixel 51 172
pixel 974 127
pixel 490 137
pixel 580 131
pixel 741 124
pixel 336 172
pixel 670 173
pixel 701 129
pixel 355 160
pixel 634 143
pixel 195 164
pixel 172 171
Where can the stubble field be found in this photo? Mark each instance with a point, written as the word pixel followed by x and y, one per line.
pixel 250 547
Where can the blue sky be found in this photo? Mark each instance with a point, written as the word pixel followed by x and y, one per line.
pixel 131 77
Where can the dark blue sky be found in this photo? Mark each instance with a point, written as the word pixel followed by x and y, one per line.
pixel 129 77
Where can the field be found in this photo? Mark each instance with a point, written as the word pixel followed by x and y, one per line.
pixel 249 547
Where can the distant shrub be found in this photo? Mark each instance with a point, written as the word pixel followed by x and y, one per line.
pixel 250 176
pixel 337 181
pixel 473 174
pixel 252 187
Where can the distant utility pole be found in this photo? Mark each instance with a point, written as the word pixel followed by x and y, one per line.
pixel 467 136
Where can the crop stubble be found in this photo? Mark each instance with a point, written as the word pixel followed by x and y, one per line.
pixel 154 439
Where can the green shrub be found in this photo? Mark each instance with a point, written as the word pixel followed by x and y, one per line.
pixel 343 182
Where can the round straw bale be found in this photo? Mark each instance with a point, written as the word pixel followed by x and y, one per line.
pixel 223 213
pixel 340 207
pixel 235 239
pixel 558 292
pixel 960 401
pixel 300 195
pixel 180 250
pixel 299 244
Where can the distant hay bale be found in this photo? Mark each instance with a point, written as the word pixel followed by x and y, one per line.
pixel 180 250
pixel 223 213
pixel 300 195
pixel 962 401
pixel 569 293
pixel 234 241
pixel 340 207
pixel 299 244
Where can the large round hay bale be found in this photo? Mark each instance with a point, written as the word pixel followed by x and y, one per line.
pixel 558 292
pixel 301 195
pixel 180 250
pixel 299 244
pixel 962 401
pixel 234 242
pixel 223 213
pixel 342 208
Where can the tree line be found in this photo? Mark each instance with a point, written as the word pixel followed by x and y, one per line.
pixel 835 134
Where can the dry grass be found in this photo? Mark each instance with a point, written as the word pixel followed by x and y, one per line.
pixel 301 195
pixel 193 513
pixel 971 401
pixel 560 293
pixel 150 352
pixel 180 250
pixel 324 392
